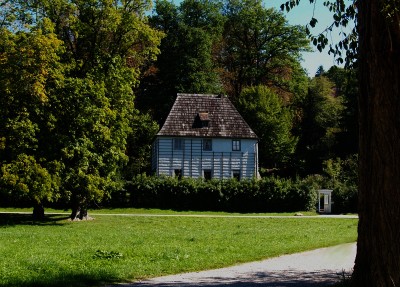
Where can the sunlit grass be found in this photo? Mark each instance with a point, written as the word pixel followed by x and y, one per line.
pixel 58 252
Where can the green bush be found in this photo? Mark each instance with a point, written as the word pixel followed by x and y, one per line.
pixel 270 194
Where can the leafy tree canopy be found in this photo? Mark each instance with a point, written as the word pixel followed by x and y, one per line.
pixel 185 64
pixel 260 47
pixel 272 121
pixel 69 98
pixel 321 112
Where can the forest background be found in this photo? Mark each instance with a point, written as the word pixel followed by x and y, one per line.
pixel 85 86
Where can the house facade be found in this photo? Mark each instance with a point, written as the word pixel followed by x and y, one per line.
pixel 205 136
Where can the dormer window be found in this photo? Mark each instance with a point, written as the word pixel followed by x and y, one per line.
pixel 203 119
pixel 204 116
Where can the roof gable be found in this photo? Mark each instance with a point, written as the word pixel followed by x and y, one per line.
pixel 199 115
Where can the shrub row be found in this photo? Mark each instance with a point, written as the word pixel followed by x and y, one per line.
pixel 269 194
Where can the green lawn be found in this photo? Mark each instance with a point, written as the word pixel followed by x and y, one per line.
pixel 120 248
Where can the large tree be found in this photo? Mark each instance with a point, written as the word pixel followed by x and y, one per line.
pixel 320 112
pixel 259 47
pixel 185 63
pixel 106 44
pixel 86 113
pixel 378 26
pixel 272 121
pixel 378 250
pixel 346 87
pixel 29 66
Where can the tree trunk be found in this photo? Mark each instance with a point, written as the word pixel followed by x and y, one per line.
pixel 378 250
pixel 79 213
pixel 75 213
pixel 38 212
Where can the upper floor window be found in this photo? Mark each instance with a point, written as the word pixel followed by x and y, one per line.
pixel 236 145
pixel 178 144
pixel 207 144
pixel 202 120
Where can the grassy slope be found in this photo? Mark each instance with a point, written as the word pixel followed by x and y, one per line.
pixel 62 253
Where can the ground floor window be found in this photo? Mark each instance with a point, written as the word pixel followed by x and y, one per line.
pixel 207 174
pixel 178 173
pixel 236 174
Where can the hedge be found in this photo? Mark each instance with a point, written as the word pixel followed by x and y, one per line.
pixel 270 194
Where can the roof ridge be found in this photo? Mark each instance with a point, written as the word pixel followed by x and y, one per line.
pixel 202 95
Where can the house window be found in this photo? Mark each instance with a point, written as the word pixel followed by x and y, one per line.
pixel 207 174
pixel 178 144
pixel 178 173
pixel 236 174
pixel 236 145
pixel 204 124
pixel 207 144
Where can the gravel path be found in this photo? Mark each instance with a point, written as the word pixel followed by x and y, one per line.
pixel 321 267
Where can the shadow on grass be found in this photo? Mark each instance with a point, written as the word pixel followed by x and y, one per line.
pixel 12 219
pixel 259 279
pixel 68 279
pixel 283 278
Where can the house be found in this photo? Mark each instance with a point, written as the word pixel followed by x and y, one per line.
pixel 205 136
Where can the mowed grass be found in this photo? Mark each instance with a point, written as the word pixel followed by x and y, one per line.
pixel 109 249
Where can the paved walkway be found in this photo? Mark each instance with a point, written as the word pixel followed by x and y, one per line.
pixel 350 216
pixel 321 267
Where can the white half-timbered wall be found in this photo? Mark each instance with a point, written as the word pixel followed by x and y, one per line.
pixel 192 160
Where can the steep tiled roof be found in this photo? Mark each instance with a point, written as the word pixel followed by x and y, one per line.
pixel 199 115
